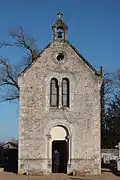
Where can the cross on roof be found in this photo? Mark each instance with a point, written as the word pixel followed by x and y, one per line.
pixel 60 16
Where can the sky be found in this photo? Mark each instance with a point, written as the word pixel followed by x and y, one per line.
pixel 93 28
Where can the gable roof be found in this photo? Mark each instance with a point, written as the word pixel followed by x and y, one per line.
pixel 13 145
pixel 35 59
pixel 89 65
pixel 98 73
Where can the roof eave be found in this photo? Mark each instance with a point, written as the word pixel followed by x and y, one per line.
pixel 89 65
pixel 34 60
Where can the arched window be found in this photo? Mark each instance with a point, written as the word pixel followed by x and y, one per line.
pixel 59 33
pixel 65 92
pixel 54 93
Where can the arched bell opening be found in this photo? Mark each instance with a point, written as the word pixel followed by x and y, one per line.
pixel 59 29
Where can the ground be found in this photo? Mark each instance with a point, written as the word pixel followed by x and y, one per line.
pixel 106 175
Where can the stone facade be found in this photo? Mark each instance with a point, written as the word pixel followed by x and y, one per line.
pixel 81 120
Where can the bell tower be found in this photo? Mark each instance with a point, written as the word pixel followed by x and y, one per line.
pixel 59 29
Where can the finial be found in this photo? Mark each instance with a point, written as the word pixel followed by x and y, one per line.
pixel 60 16
pixel 102 70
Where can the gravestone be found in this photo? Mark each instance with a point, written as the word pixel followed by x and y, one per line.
pixel 106 159
pixel 118 146
pixel 118 159
pixel 118 163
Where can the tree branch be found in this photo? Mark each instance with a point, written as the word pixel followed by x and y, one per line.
pixel 8 73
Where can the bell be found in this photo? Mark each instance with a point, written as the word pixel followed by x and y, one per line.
pixel 59 35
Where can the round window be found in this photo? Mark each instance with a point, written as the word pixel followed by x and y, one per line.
pixel 60 57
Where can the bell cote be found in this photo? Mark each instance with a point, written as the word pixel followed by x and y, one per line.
pixel 59 29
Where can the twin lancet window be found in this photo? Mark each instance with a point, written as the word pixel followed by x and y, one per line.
pixel 55 94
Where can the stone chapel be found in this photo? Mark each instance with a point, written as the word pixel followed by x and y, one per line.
pixel 60 108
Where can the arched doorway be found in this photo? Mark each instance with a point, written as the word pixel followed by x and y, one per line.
pixel 60 143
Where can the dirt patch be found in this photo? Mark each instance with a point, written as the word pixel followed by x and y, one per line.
pixel 104 176
pixel 11 176
pixel 56 177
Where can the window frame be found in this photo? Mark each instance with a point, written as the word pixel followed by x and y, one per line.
pixel 54 94
pixel 67 94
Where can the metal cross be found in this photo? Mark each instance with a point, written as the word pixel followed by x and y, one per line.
pixel 60 16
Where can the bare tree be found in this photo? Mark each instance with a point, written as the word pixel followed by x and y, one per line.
pixel 9 89
pixel 109 87
pixel 117 79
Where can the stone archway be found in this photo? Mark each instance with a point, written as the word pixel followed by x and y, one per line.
pixel 59 140
pixel 59 132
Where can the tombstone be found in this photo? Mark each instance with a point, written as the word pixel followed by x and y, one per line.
pixel 118 159
pixel 118 163
pixel 118 146
pixel 106 158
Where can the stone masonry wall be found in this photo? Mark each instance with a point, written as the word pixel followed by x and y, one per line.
pixel 37 117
